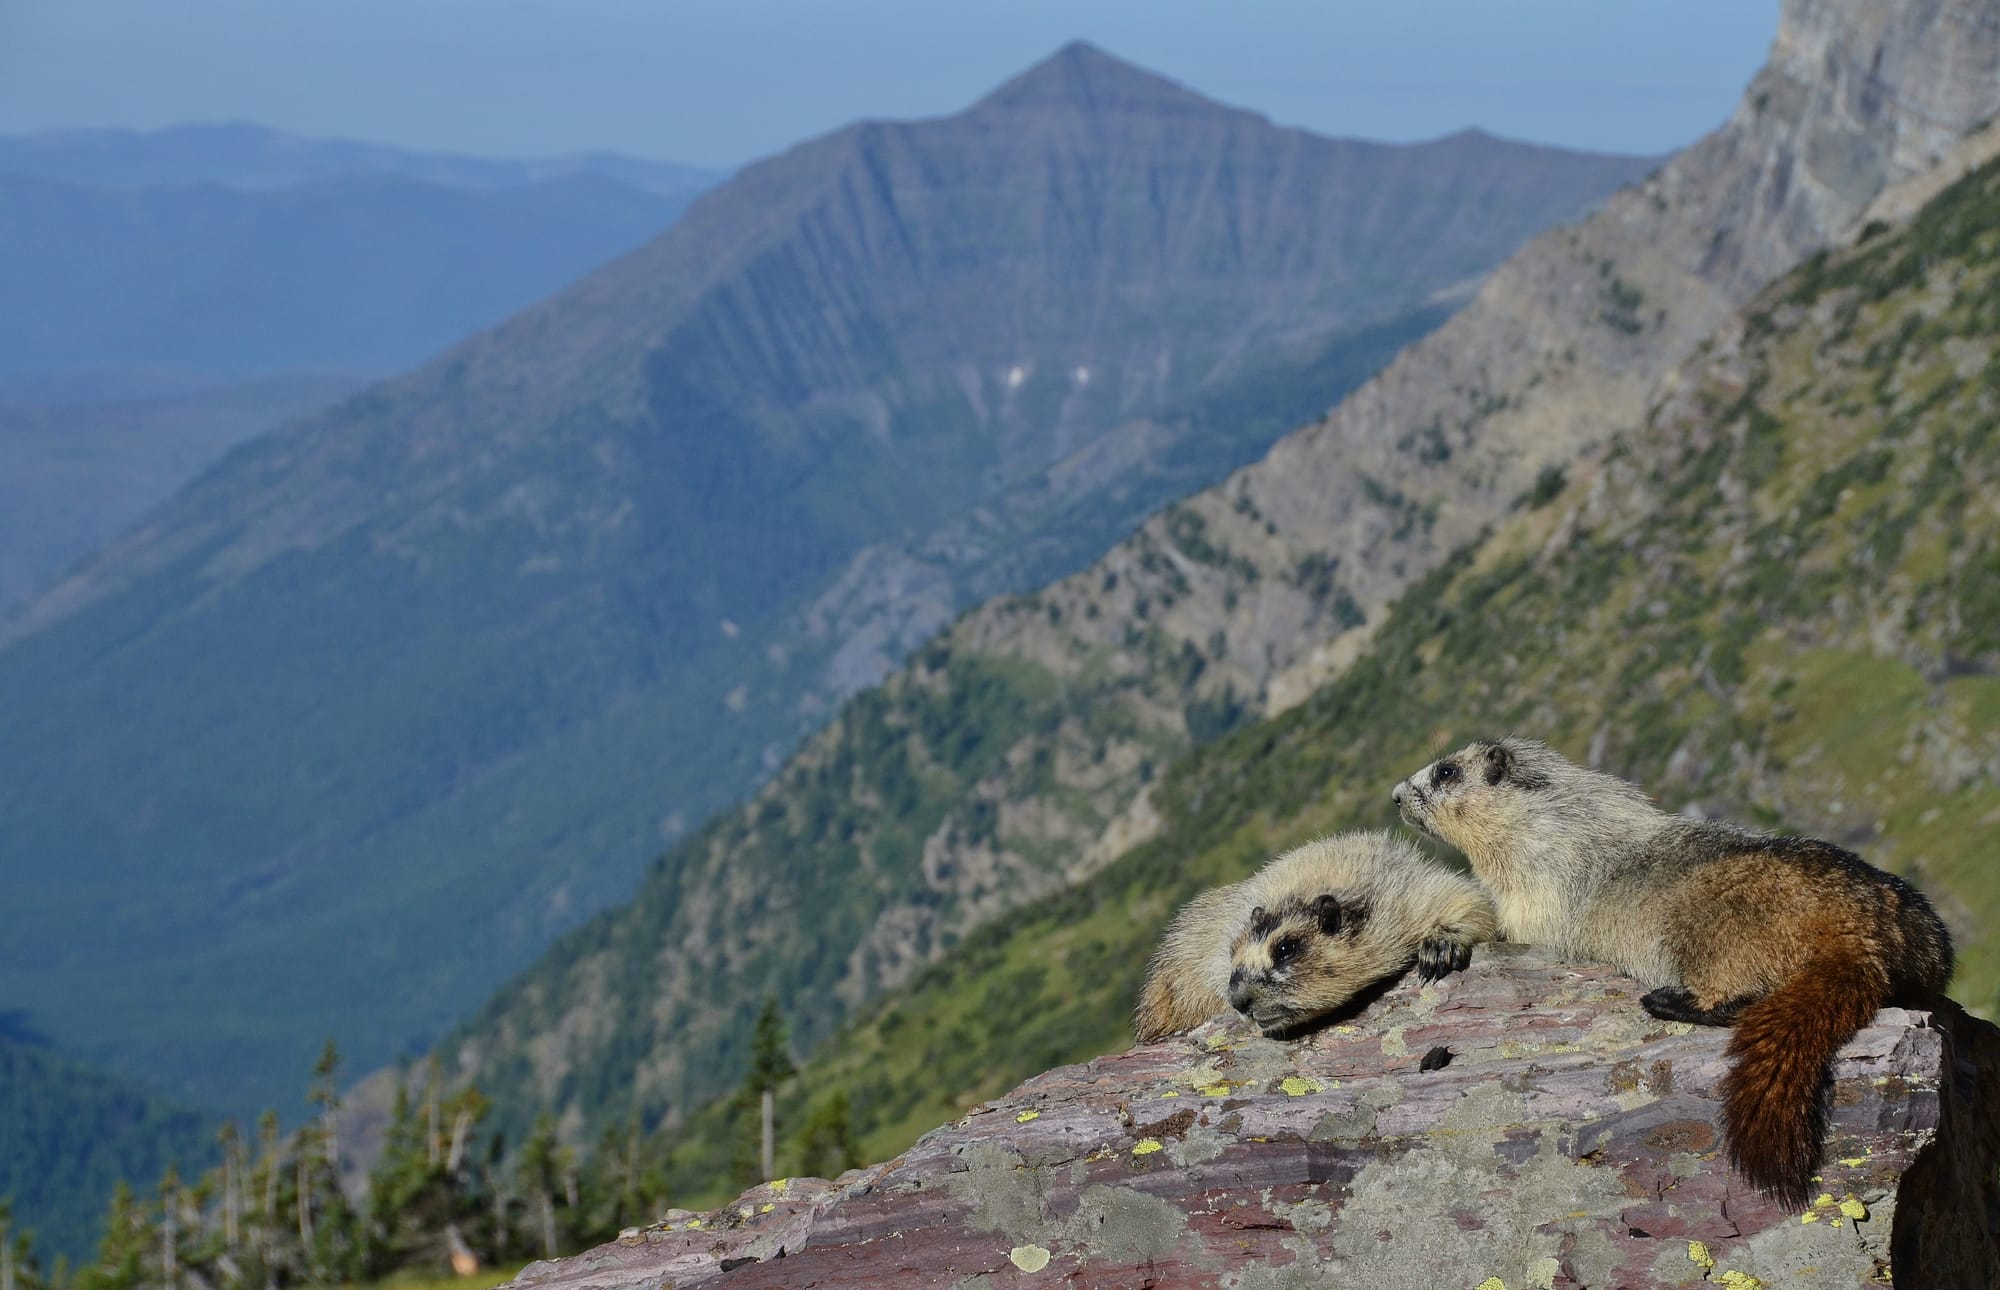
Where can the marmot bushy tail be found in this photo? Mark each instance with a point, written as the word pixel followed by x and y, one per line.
pixel 1310 930
pixel 1772 1107
pixel 1795 941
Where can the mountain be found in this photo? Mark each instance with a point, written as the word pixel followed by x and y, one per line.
pixel 369 272
pixel 1021 751
pixel 75 475
pixel 69 1134
pixel 240 155
pixel 344 734
pixel 1776 599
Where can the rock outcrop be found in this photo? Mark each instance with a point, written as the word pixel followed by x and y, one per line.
pixel 1522 1124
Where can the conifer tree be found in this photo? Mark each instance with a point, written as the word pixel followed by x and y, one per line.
pixel 770 1065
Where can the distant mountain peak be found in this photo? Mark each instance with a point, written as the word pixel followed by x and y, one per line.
pixel 1080 77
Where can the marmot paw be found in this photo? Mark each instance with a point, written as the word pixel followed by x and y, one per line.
pixel 1440 956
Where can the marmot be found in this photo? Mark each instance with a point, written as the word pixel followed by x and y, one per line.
pixel 1794 941
pixel 1310 930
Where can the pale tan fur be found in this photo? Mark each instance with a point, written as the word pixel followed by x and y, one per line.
pixel 1401 896
pixel 1552 856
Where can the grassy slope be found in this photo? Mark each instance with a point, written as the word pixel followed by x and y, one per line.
pixel 1780 600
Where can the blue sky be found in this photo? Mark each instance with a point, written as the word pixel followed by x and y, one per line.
pixel 720 82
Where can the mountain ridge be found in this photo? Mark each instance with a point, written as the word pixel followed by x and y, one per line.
pixel 1238 601
pixel 403 689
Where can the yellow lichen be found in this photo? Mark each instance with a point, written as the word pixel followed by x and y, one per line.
pixel 778 1186
pixel 1028 1258
pixel 766 1207
pixel 1216 1042
pixel 1171 1093
pixel 1741 1281
pixel 1855 1162
pixel 1145 1146
pixel 1809 1217
pixel 1297 1086
pixel 693 1223
pixel 1222 1088
pixel 1854 1209
pixel 1026 1116
pixel 1492 1283
pixel 1699 1256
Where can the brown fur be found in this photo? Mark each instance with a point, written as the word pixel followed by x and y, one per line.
pixel 1795 941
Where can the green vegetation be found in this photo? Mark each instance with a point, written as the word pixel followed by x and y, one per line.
pixel 68 1133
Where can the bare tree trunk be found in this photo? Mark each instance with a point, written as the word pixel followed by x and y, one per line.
pixel 628 1199
pixel 432 1147
pixel 333 1139
pixel 230 1180
pixel 270 1176
pixel 460 1130
pixel 305 1205
pixel 169 1231
pixel 548 1225
pixel 499 1221
pixel 769 1157
pixel 6 1256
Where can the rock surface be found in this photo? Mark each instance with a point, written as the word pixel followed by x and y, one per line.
pixel 1568 1140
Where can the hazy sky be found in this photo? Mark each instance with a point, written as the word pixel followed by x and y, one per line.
pixel 723 81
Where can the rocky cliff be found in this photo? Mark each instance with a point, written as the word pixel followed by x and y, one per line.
pixel 1020 751
pixel 1523 1124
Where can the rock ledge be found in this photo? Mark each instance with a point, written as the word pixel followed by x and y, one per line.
pixel 1568 1140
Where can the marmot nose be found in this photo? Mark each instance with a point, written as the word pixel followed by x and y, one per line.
pixel 1240 994
pixel 1396 794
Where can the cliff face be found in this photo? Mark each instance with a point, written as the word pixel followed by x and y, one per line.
pixel 1567 1140
pixel 1014 755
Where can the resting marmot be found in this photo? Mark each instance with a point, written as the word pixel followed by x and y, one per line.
pixel 1308 931
pixel 1795 941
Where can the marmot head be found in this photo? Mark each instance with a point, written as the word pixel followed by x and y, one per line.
pixel 1300 959
pixel 1480 798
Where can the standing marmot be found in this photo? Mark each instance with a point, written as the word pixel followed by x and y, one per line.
pixel 1795 941
pixel 1310 930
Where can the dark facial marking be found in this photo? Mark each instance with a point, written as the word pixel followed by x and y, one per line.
pixel 1285 951
pixel 1262 921
pixel 1446 772
pixel 1326 908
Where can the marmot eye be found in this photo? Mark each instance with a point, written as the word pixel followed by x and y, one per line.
pixel 1285 951
pixel 1446 773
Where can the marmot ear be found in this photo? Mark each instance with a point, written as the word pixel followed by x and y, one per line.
pixel 1498 759
pixel 1327 909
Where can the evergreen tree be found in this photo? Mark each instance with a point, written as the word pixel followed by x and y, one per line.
pixel 540 1172
pixel 827 1147
pixel 770 1065
pixel 121 1253
pixel 18 1268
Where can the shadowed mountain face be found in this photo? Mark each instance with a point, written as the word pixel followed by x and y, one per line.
pixel 384 701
